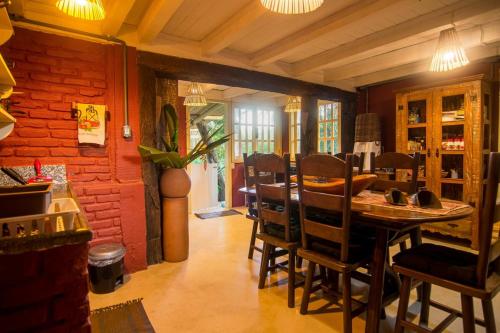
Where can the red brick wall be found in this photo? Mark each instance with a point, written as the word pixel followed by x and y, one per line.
pixel 45 291
pixel 52 72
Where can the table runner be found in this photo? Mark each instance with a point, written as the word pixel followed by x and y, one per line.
pixel 377 199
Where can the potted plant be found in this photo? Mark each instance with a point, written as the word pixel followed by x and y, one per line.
pixel 175 183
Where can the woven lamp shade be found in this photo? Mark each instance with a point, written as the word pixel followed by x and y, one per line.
pixel 292 6
pixel 195 95
pixel 91 10
pixel 367 128
pixel 449 52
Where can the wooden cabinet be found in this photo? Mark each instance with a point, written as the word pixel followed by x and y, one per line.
pixel 450 126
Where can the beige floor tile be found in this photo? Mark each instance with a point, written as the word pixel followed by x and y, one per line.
pixel 215 290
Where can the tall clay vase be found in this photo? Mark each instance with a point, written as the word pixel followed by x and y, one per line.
pixel 174 188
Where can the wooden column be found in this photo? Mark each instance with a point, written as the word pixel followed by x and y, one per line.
pixel 309 125
pixel 150 171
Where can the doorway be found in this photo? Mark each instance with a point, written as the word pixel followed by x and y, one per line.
pixel 210 176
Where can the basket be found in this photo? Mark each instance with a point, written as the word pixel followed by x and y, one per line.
pixel 60 216
pixel 367 128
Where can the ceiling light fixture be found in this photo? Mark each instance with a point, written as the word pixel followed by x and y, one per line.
pixel 449 52
pixel 292 6
pixel 293 104
pixel 195 95
pixel 91 10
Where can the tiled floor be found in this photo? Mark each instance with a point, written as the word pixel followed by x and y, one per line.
pixel 215 290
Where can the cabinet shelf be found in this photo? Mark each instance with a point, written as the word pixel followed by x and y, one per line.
pixel 452 152
pixel 452 180
pixel 418 125
pixel 453 123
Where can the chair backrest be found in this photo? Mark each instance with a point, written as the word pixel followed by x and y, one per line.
pixel 357 161
pixel 489 252
pixel 395 161
pixel 330 167
pixel 249 165
pixel 270 195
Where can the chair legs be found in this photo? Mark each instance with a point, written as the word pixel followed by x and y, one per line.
pixel 311 266
pixel 468 313
pixel 346 302
pixel 403 304
pixel 425 303
pixel 252 239
pixel 264 264
pixel 489 316
pixel 291 278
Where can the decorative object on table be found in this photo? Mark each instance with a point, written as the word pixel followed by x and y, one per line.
pixel 175 182
pixel 449 53
pixel 221 213
pixel 292 6
pixel 396 197
pixel 426 199
pixel 293 104
pixel 367 137
pixel 106 267
pixel 91 10
pixel 195 95
pixel 91 123
pixel 128 317
pixel 39 177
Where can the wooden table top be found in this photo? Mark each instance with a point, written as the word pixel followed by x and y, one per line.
pixel 391 217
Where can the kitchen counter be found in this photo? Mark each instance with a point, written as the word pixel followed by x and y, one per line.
pixel 80 234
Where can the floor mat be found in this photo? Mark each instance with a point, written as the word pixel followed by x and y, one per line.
pixel 121 318
pixel 221 213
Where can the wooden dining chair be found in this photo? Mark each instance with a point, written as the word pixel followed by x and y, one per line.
pixel 396 162
pixel 469 274
pixel 279 228
pixel 252 214
pixel 357 161
pixel 326 231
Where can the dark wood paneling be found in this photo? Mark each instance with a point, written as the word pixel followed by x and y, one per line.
pixel 150 172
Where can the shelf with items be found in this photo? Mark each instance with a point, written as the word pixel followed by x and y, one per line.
pixel 453 108
pixel 417 112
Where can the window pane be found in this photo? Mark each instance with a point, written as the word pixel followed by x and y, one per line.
pixel 337 148
pixel 321 112
pixel 236 148
pixel 328 111
pixel 271 136
pixel 236 115
pixel 329 146
pixel 321 131
pixel 243 133
pixel 265 130
pixel 271 147
pixel 249 147
pixel 271 117
pixel 329 130
pixel 266 147
pixel 259 146
pixel 259 117
pixel 249 118
pixel 321 146
pixel 243 148
pixel 249 133
pixel 335 110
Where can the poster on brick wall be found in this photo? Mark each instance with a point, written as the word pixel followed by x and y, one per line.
pixel 91 123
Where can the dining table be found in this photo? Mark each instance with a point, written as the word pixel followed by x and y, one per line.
pixel 372 210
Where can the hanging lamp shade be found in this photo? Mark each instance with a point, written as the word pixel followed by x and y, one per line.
pixel 195 95
pixel 449 52
pixel 292 6
pixel 293 104
pixel 91 10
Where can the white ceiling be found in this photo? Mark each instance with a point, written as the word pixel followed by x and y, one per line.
pixel 345 43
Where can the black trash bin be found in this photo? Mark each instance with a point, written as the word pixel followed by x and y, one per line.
pixel 106 267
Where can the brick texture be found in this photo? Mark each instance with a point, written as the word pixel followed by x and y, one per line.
pixel 45 290
pixel 53 72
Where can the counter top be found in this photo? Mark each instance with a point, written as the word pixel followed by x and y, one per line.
pixel 80 234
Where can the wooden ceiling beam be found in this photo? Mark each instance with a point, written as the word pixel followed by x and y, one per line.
pixel 233 29
pixel 115 16
pixel 381 41
pixel 156 17
pixel 338 20
pixel 234 92
pixel 476 36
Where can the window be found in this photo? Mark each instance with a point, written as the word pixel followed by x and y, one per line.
pixel 294 133
pixel 254 130
pixel 328 127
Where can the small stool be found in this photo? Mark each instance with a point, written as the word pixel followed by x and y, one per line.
pixel 106 267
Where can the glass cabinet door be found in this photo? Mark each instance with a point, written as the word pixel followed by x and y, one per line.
pixel 449 151
pixel 417 133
